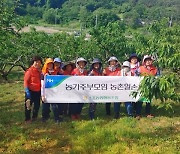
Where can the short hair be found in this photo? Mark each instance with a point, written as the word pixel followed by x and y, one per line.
pixel 35 58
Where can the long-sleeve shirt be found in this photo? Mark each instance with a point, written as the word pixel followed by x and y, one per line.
pixel 32 79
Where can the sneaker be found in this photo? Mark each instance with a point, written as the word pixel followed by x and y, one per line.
pixel 130 116
pixel 73 117
pixel 28 121
pixel 57 121
pixel 138 117
pixel 150 116
pixel 78 116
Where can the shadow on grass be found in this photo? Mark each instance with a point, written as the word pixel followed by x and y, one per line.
pixel 101 112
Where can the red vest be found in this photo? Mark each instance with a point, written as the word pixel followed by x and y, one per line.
pixel 95 73
pixel 67 73
pixel 145 72
pixel 78 73
pixel 117 72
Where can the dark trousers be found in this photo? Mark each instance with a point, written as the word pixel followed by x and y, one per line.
pixel 92 109
pixel 139 108
pixel 63 108
pixel 75 108
pixel 57 109
pixel 35 100
pixel 66 108
pixel 108 108
pixel 45 110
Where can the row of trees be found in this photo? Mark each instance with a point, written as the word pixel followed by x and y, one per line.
pixel 133 12
pixel 16 49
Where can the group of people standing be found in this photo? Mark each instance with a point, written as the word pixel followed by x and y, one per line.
pixel 34 85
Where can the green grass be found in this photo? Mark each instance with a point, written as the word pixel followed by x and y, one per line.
pixel 103 135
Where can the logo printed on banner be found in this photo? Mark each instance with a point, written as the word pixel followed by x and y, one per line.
pixel 49 80
pixel 54 80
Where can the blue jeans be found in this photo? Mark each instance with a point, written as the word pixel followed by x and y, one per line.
pixel 128 106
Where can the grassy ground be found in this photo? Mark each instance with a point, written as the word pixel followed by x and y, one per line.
pixel 103 135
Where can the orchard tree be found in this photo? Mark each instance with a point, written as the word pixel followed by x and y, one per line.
pixel 111 40
pixel 163 43
pixel 9 55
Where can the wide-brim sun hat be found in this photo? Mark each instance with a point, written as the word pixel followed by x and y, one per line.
pixel 68 63
pixel 126 64
pixel 134 55
pixel 49 60
pixel 57 60
pixel 112 58
pixel 81 59
pixel 147 57
pixel 96 60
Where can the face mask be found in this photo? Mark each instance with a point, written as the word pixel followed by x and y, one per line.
pixel 81 70
pixel 51 71
pixel 126 69
pixel 112 68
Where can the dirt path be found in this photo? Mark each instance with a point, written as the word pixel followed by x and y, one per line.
pixel 48 30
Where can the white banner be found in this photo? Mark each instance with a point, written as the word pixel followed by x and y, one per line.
pixel 88 89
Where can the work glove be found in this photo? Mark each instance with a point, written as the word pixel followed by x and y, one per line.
pixel 28 94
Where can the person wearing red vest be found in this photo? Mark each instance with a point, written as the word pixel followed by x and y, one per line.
pixel 76 108
pixel 112 70
pixel 68 67
pixel 134 63
pixel 146 69
pixel 57 67
pixel 58 108
pixel 32 85
pixel 95 70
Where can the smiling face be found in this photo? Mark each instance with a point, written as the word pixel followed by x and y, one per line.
pixel 81 64
pixel 134 60
pixel 148 62
pixel 96 65
pixel 69 68
pixel 57 65
pixel 50 66
pixel 113 63
pixel 37 64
